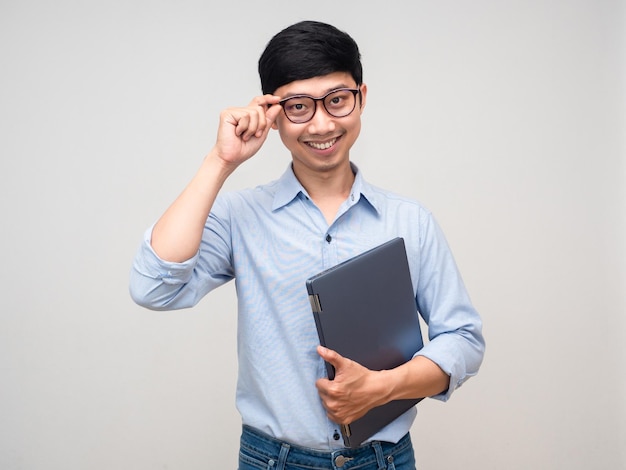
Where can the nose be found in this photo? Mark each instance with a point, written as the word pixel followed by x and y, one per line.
pixel 321 122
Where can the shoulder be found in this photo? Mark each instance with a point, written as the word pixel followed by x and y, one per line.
pixel 386 201
pixel 246 198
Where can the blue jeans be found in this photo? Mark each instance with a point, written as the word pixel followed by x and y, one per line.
pixel 259 451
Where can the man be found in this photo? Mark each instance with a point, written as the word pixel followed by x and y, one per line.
pixel 272 238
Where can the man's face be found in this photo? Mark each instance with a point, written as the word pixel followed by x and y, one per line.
pixel 323 143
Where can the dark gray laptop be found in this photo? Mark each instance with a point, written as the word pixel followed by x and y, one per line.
pixel 364 309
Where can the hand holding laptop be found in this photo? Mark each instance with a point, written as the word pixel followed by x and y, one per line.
pixel 354 391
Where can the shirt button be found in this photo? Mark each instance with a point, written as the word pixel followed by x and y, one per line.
pixel 336 436
pixel 328 238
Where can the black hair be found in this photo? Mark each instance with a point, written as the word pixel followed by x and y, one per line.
pixel 305 50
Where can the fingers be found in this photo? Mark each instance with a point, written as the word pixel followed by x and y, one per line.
pixel 350 395
pixel 258 117
pixel 339 403
pixel 248 124
pixel 243 130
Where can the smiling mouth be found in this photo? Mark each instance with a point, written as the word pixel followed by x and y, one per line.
pixel 322 145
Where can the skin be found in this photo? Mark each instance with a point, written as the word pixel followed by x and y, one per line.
pixel 327 176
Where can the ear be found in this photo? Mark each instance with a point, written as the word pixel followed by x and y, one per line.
pixel 363 89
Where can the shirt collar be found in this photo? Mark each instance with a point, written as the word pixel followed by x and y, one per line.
pixel 289 188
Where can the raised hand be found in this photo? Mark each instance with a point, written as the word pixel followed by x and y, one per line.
pixel 242 131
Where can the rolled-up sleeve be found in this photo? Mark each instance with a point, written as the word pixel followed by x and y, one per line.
pixel 158 284
pixel 456 343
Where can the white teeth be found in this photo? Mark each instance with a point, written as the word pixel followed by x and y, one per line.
pixel 322 145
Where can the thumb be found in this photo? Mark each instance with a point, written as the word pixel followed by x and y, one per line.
pixel 272 113
pixel 332 357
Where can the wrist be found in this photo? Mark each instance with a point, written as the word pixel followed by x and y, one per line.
pixel 386 386
pixel 218 167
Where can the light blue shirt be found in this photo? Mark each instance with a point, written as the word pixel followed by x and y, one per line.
pixel 270 239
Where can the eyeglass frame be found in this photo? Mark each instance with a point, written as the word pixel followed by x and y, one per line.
pixel 354 92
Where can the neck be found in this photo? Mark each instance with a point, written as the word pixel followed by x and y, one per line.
pixel 328 190
pixel 326 184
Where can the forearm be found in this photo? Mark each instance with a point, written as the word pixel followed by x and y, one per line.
pixel 177 235
pixel 417 378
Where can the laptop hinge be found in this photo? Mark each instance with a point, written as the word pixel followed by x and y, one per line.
pixel 315 303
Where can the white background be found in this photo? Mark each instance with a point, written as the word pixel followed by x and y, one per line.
pixel 506 118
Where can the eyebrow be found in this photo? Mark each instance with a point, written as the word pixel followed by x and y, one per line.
pixel 328 90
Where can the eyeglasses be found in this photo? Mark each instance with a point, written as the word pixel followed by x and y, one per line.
pixel 338 103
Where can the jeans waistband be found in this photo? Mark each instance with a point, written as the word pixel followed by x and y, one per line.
pixel 276 453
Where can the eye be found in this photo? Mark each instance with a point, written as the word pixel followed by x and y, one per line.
pixel 339 99
pixel 297 106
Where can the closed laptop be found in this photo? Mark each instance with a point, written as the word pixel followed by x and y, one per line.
pixel 365 309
